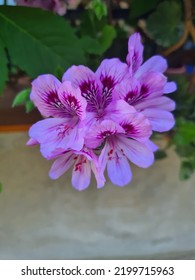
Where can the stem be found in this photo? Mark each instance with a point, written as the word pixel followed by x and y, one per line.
pixel 189 29
pixel 109 7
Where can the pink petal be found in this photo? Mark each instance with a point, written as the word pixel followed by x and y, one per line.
pixel 155 64
pixel 44 94
pixel 97 170
pixel 152 85
pixel 160 120
pixel 81 174
pixel 170 87
pixel 128 90
pixel 74 103
pixel 117 109
pixel 151 146
pixel 110 72
pixel 103 158
pixel 162 102
pixel 136 126
pixel 89 84
pixel 56 135
pixel 136 152
pixel 118 169
pixel 32 142
pixel 59 7
pixel 99 176
pixel 100 132
pixel 135 52
pixel 61 165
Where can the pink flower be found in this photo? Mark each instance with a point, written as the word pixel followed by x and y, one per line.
pixel 122 142
pixel 145 85
pixel 84 162
pixel 97 88
pixel 57 6
pixel 67 107
pixel 104 119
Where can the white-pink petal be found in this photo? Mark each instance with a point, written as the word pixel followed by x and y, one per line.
pixel 154 64
pixel 160 120
pixel 170 87
pixel 118 169
pixel 135 52
pixel 162 102
pixel 136 152
pixel 61 165
pixel 44 94
pixel 111 71
pixel 81 174
pixel 74 103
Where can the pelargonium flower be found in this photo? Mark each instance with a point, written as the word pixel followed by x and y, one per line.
pixel 57 6
pixel 103 119
pixel 84 162
pixel 97 88
pixel 67 107
pixel 147 85
pixel 124 140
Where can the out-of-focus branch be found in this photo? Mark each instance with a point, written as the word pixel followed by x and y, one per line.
pixel 189 29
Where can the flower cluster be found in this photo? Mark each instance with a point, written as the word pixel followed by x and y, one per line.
pixel 103 120
pixel 57 6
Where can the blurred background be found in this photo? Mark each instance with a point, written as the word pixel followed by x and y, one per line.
pixel 151 218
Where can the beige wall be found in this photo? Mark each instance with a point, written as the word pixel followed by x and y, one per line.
pixel 154 217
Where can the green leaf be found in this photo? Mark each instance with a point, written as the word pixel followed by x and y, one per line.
pixel 107 37
pixel 186 170
pixel 165 24
pixel 99 45
pixel 39 41
pixel 141 7
pixel 3 67
pixel 160 154
pixel 22 97
pixel 185 151
pixel 91 45
pixel 1 187
pixel 185 132
pixel 29 106
pixel 58 72
pixel 99 8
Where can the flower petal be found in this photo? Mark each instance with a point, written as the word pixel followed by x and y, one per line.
pixel 61 165
pixel 135 52
pixel 32 142
pixel 117 110
pixel 155 64
pixel 44 94
pixel 160 120
pixel 152 85
pixel 170 87
pixel 136 126
pixel 97 170
pixel 136 152
pixel 56 135
pixel 153 147
pixel 110 72
pixel 162 102
pixel 89 84
pixel 81 174
pixel 129 90
pixel 103 158
pixel 118 169
pixel 74 103
pixel 100 132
